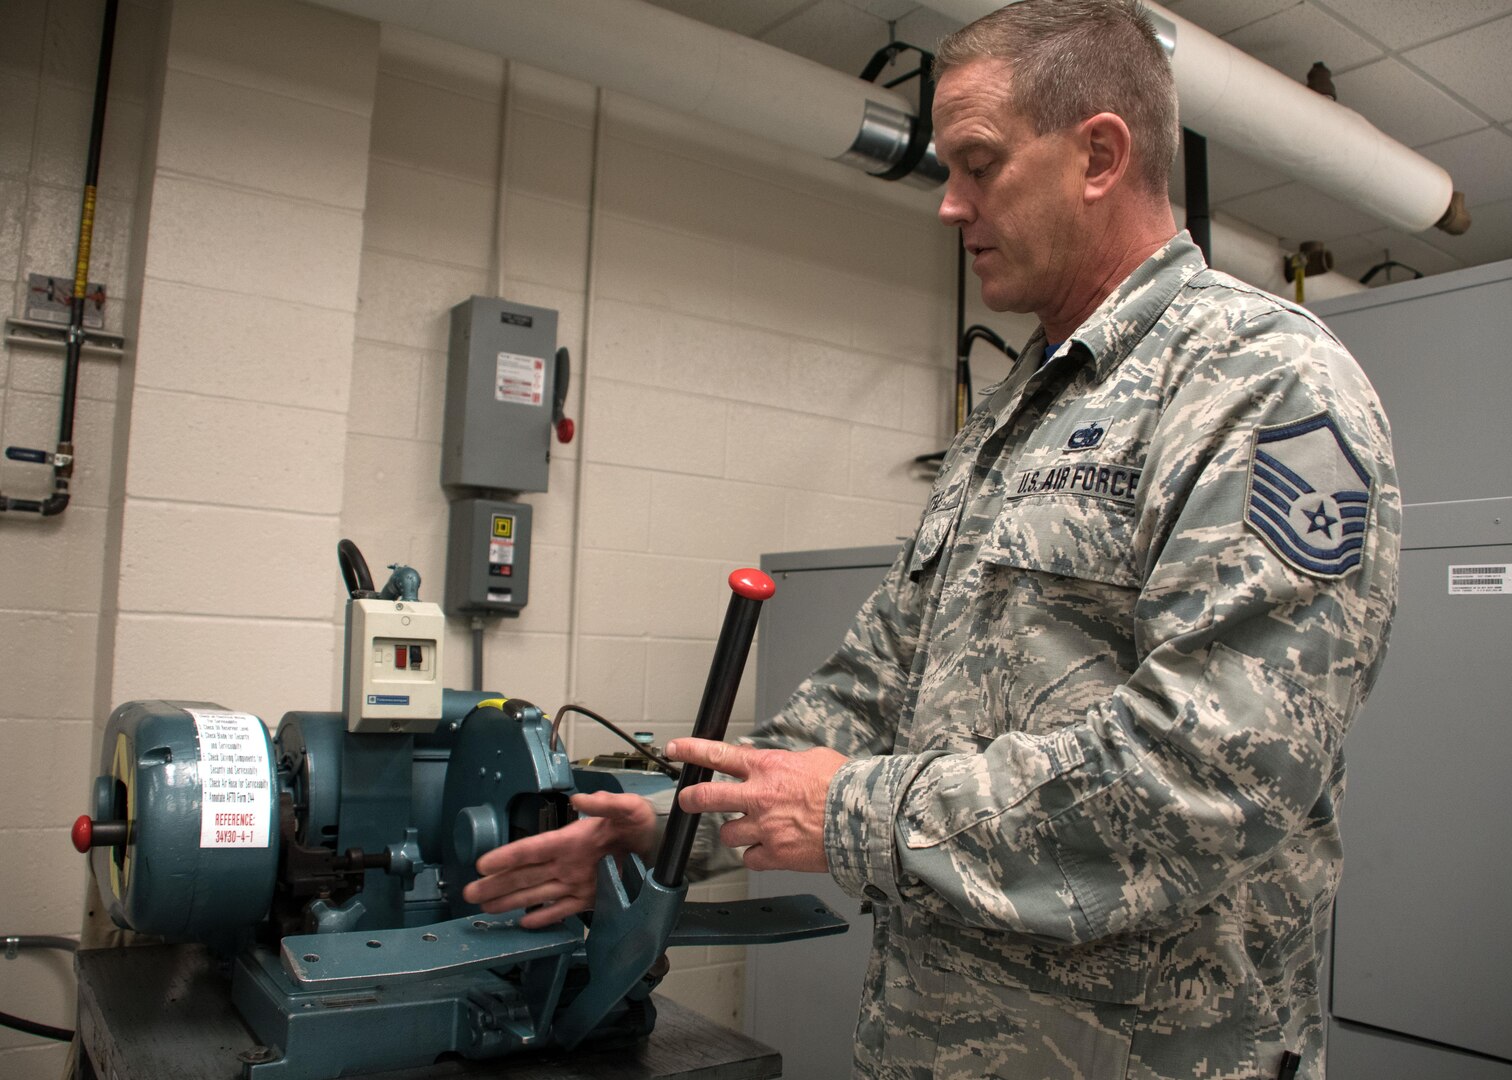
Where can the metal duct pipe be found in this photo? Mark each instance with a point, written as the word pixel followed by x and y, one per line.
pixel 681 64
pixel 1231 97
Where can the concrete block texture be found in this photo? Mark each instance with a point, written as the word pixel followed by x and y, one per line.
pixel 53 656
pixel 63 559
pixel 221 344
pixel 227 561
pixel 301 51
pixel 787 448
pixel 428 215
pixel 428 127
pixel 190 448
pixel 263 666
pixel 17 120
pixel 625 595
pixel 262 139
pixel 655 429
pixel 44 774
pixel 208 234
pixel 407 301
pixel 441 64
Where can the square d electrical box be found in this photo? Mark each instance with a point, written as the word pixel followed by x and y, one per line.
pixel 488 557
pixel 500 376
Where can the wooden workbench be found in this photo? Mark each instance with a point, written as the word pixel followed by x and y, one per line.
pixel 162 1012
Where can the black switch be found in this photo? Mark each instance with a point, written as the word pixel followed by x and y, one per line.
pixel 417 656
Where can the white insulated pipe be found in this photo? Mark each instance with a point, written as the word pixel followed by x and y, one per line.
pixel 686 66
pixel 1229 96
pixel 681 64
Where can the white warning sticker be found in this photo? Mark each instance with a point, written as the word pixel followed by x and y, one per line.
pixel 1494 579
pixel 501 552
pixel 235 779
pixel 520 379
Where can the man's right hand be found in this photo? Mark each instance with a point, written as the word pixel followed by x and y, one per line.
pixel 556 873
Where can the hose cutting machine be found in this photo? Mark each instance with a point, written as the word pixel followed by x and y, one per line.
pixel 327 863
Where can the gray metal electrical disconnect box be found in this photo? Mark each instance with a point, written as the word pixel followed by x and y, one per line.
pixel 487 557
pixel 500 375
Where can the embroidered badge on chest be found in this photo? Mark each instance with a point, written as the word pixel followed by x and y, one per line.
pixel 1309 496
pixel 1088 435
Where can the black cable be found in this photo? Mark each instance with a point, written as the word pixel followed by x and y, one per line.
pixel 31 1027
pixel 354 568
pixel 660 762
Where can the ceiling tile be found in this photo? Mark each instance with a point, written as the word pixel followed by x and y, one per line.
pixel 1481 164
pixel 747 17
pixel 1230 175
pixel 885 10
pixel 835 34
pixel 1297 213
pixel 1401 24
pixel 1222 16
pixel 1403 104
pixel 1473 65
pixel 925 28
pixel 1292 40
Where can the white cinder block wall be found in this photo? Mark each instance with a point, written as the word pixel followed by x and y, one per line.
pixel 761 342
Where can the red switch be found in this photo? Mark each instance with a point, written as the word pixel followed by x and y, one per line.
pixel 401 655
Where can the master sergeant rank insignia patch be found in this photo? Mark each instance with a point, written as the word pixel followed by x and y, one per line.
pixel 1309 496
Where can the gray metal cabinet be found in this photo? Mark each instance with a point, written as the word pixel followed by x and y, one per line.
pixel 1422 957
pixel 802 997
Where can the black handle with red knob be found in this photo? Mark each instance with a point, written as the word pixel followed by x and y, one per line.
pixel 749 587
pixel 88 833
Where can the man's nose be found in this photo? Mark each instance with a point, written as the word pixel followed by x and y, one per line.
pixel 954 211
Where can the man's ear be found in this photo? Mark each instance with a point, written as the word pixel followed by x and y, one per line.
pixel 1108 150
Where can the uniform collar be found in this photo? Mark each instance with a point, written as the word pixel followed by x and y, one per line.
pixel 1123 319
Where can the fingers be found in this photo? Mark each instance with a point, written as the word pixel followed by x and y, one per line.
pixel 715 797
pixel 721 757
pixel 608 804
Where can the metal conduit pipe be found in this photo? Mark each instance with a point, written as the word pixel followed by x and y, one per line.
pixel 689 67
pixel 1232 98
pixel 62 459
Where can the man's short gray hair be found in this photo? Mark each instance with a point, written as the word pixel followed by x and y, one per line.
pixel 1071 59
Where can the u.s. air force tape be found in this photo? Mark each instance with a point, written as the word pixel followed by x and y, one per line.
pixel 1309 496
pixel 1099 479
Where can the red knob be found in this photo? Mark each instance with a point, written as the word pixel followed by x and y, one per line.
pixel 88 833
pixel 752 584
pixel 565 429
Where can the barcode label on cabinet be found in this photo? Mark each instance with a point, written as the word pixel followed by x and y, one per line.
pixel 1480 579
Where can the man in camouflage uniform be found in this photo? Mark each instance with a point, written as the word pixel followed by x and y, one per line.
pixel 1082 749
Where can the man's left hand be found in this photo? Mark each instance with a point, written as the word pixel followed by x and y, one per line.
pixel 780 793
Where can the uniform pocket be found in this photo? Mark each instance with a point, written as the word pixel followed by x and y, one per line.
pixel 1059 586
pixel 1114 970
pixel 1070 536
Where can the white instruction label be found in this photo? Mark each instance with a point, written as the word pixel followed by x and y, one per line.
pixel 235 779
pixel 1480 579
pixel 520 379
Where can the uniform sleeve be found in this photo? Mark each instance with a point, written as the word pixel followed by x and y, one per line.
pixel 1213 752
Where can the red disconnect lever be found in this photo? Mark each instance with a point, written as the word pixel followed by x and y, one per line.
pixel 88 833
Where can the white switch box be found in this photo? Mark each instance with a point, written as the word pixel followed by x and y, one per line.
pixel 393 666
